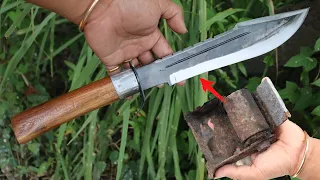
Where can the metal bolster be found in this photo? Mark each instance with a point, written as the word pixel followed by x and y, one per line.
pixel 125 83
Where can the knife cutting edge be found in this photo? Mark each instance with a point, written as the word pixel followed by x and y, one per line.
pixel 246 40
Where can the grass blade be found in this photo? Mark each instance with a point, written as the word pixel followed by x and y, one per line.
pixel 84 125
pixel 63 165
pixel 13 62
pixel 64 46
pixel 6 8
pixel 43 42
pixel 154 104
pixel 124 135
pixel 90 145
pixel 163 125
pixel 174 127
pixel 17 22
pixel 218 17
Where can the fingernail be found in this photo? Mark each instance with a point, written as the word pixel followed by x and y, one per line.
pixel 182 83
pixel 186 30
pixel 160 86
pixel 128 98
pixel 218 177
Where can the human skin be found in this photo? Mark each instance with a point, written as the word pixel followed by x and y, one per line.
pixel 119 30
pixel 282 158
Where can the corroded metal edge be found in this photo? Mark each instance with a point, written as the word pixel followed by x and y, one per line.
pixel 222 145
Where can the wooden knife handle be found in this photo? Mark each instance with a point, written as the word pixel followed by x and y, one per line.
pixel 44 117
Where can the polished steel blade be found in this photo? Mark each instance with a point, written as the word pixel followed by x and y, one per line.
pixel 246 40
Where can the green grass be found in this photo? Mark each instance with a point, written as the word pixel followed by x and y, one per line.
pixel 116 142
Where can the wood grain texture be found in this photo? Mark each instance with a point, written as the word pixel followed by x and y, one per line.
pixel 44 117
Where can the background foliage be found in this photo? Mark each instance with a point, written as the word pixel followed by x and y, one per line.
pixel 42 56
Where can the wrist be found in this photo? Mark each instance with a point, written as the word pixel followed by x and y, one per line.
pixel 73 10
pixel 82 8
pixel 309 159
pixel 97 11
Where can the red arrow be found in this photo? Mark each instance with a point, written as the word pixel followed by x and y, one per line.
pixel 206 85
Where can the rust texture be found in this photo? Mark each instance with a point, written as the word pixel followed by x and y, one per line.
pixel 230 132
pixel 218 144
pixel 244 114
pixel 271 103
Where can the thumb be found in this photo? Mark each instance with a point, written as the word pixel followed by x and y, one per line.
pixel 238 172
pixel 174 16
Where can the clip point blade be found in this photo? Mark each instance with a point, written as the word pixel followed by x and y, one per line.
pixel 245 41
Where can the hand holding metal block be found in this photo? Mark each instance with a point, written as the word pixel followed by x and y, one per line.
pixel 243 125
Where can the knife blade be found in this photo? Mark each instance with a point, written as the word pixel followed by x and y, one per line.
pixel 246 40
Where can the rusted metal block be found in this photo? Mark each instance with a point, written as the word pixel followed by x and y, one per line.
pixel 271 103
pixel 243 125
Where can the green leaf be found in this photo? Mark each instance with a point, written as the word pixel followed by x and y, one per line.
pixel 310 64
pixel 114 156
pixel 290 92
pixel 212 78
pixel 43 168
pixel 124 134
pixel 315 99
pixel 316 111
pixel 304 99
pixel 90 155
pixel 301 60
pixel 316 82
pixel 244 19
pixel 4 106
pixel 70 65
pixel 218 17
pixel 210 13
pixel 317 45
pixel 234 71
pixel 99 167
pixel 34 148
pixel 23 49
pixel 10 6
pixel 304 78
pixel 253 83
pixel 14 15
pixel 268 60
pixel 19 17
pixel 242 68
pixel 306 51
pixel 295 61
pixel 91 116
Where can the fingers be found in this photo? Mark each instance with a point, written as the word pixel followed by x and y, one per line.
pixel 112 70
pixel 162 47
pixel 253 156
pixel 146 57
pixel 290 134
pixel 134 62
pixel 174 16
pixel 239 172
pixel 286 129
pixel 182 83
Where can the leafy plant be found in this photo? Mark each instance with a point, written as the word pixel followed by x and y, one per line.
pixel 304 96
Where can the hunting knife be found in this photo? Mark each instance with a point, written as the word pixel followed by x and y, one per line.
pixel 246 40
